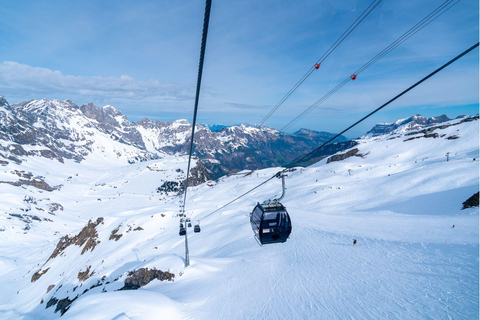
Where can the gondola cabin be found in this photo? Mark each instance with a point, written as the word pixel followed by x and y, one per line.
pixel 196 228
pixel 270 222
pixel 182 231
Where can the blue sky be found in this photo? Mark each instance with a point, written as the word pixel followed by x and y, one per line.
pixel 142 58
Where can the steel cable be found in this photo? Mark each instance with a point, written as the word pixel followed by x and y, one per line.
pixel 295 162
pixel 432 16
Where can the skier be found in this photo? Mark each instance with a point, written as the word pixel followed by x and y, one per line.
pixel 354 242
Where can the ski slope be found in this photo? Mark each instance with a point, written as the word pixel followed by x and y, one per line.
pixel 400 201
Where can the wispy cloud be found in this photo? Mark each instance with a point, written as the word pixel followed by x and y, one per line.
pixel 17 78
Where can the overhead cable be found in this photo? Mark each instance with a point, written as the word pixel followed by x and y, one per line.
pixel 327 53
pixel 432 16
pixel 297 161
pixel 206 20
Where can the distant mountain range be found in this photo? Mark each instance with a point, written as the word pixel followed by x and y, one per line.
pixel 63 130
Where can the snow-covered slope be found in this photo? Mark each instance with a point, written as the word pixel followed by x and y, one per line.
pixel 73 248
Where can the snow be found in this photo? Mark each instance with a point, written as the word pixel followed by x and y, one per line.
pixel 180 123
pixel 144 305
pixel 150 138
pixel 400 201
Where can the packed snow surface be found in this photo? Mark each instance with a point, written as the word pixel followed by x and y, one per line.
pixel 399 199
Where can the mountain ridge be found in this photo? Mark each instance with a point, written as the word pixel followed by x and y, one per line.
pixel 63 130
pixel 69 131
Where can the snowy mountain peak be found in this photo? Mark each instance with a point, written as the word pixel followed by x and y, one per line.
pixel 91 111
pixel 111 110
pixel 408 124
pixel 3 101
pixel 37 107
pixel 180 122
pixel 5 111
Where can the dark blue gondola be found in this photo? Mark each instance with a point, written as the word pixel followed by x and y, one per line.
pixel 182 231
pixel 270 220
pixel 270 223
pixel 196 228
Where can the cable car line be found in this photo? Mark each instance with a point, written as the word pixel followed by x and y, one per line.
pixel 411 32
pixel 432 16
pixel 293 163
pixel 241 196
pixel 387 103
pixel 348 32
pixel 332 48
pixel 206 19
pixel 317 103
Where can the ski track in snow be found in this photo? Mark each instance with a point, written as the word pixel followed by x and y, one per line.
pixel 318 273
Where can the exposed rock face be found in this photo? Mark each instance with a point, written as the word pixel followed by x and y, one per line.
pixel 38 274
pixel 91 111
pixel 471 202
pixel 55 206
pixel 115 235
pixel 84 275
pixel 326 151
pixel 135 280
pixel 254 148
pixel 144 276
pixel 62 305
pixel 113 122
pixel 198 175
pixel 27 179
pixel 61 130
pixel 343 156
pixel 87 236
pixel 431 135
